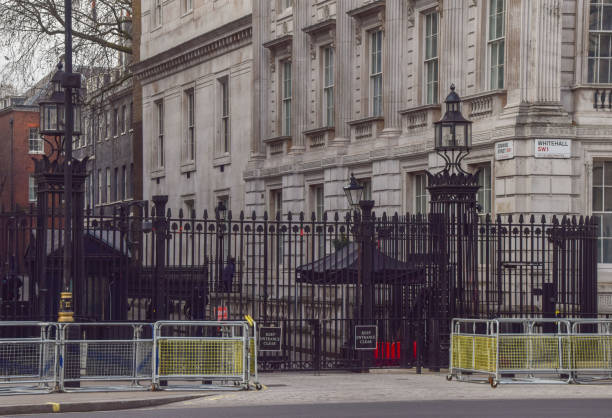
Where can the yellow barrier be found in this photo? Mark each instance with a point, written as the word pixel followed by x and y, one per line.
pixel 592 352
pixel 200 357
pixel 474 353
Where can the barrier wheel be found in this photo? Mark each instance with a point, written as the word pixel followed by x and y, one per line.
pixel 493 382
pixel 258 386
pixel 449 377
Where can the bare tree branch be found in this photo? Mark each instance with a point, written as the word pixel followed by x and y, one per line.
pixel 32 36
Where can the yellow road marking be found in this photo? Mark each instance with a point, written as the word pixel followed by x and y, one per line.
pixel 54 406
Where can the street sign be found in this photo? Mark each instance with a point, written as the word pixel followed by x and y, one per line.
pixel 504 150
pixel 270 338
pixel 553 148
pixel 366 337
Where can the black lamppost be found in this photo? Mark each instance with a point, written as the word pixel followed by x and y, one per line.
pixel 364 232
pixel 61 117
pixel 453 134
pixel 220 215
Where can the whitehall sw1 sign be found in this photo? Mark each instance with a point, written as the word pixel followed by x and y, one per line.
pixel 504 150
pixel 553 148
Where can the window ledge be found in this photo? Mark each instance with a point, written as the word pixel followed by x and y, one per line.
pixel 320 137
pixel 366 128
pixel 278 144
pixel 157 173
pixel 485 104
pixel 188 166
pixel 36 152
pixel 219 160
pixel 367 10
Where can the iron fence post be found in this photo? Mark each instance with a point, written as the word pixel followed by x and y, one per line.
pixel 160 226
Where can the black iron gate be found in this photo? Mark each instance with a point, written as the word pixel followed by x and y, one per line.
pixel 305 275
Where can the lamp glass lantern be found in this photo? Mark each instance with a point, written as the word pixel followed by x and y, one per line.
pixel 353 191
pixel 453 132
pixel 53 108
pixel 221 210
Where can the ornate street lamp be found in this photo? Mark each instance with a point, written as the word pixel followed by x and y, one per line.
pixel 353 192
pixel 453 133
pixel 53 108
pixel 221 210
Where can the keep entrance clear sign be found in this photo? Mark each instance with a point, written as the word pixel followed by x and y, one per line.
pixel 366 337
pixel 270 338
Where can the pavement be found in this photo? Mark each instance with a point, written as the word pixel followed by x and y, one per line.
pixel 303 388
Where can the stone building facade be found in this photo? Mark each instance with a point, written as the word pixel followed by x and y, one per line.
pixel 196 76
pixel 355 86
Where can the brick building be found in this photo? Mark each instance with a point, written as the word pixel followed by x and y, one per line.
pixel 20 142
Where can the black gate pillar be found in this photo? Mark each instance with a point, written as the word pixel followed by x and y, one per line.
pixel 159 297
pixel 453 219
pixel 49 176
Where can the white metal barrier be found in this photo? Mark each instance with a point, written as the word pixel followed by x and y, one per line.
pixel 28 357
pixel 114 355
pixel 531 350
pixel 592 350
pixel 213 353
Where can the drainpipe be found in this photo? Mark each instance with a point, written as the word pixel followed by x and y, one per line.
pixel 12 167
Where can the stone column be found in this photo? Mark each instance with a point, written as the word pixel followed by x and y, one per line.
pixel 535 39
pixel 335 179
pixel 300 69
pixel 261 82
pixel 345 46
pixel 451 46
pixel 393 73
pixel 387 186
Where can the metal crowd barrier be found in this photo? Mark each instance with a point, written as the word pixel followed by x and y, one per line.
pixel 28 357
pixel 253 373
pixel 115 355
pixel 592 350
pixel 531 350
pixel 215 354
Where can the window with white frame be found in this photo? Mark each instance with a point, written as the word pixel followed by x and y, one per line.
pixel 35 142
pixel 91 190
pixel 107 119
pixel 376 75
pixel 115 122
pixel 124 184
pixel 328 85
pixel 157 13
pixel 602 207
pixel 484 192
pixel 131 181
pixel 367 188
pixel 496 43
pixel 276 211
pixel 318 197
pixel 421 198
pixel 224 145
pixel 108 185
pixel 189 142
pixel 100 200
pixel 159 144
pixel 32 188
pixel 187 6
pixel 123 118
pixel 285 4
pixel 600 42
pixel 431 58
pixel 286 98
pixel 116 184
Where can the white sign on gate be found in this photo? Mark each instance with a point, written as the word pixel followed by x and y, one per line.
pixel 504 150
pixel 553 148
